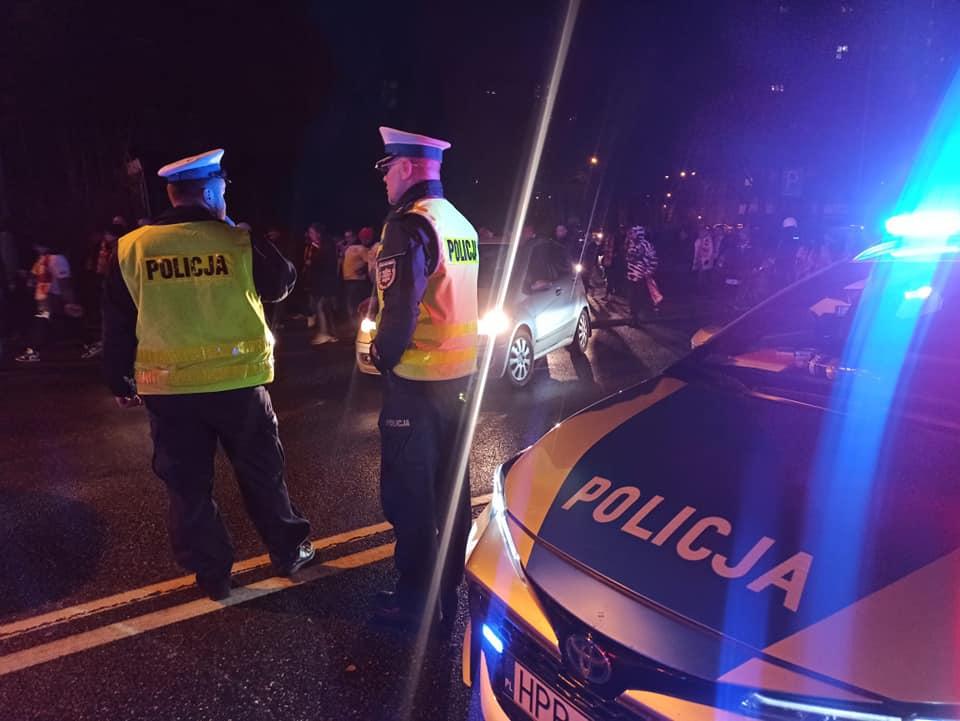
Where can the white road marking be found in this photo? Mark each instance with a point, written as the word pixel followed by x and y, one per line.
pixel 156 590
pixel 175 614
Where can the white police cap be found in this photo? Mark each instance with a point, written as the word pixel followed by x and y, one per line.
pixel 401 144
pixel 196 167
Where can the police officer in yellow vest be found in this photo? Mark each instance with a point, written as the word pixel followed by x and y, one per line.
pixel 426 348
pixel 184 330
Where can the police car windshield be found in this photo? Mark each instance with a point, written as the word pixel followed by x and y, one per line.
pixel 852 318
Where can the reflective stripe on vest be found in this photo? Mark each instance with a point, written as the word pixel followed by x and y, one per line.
pixel 200 322
pixel 201 376
pixel 203 353
pixel 427 331
pixel 444 343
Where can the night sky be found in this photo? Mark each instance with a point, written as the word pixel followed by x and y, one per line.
pixel 295 90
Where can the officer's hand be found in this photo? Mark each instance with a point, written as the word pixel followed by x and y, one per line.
pixel 128 401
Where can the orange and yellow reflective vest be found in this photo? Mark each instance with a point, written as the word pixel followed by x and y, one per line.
pixel 444 343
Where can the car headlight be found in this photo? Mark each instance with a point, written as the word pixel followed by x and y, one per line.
pixel 495 513
pixel 493 323
pixel 368 325
pixel 498 515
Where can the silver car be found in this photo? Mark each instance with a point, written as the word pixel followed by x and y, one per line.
pixel 545 309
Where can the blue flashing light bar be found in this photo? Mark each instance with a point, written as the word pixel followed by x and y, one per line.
pixel 921 293
pixel 925 224
pixel 924 250
pixel 492 638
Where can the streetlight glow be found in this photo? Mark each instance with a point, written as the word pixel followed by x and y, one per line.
pixel 594 160
pixel 683 173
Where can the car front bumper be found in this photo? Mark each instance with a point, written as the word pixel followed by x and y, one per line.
pixel 501 597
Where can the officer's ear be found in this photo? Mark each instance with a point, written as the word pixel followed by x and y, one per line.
pixel 405 168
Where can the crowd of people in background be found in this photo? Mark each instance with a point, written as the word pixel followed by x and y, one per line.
pixel 49 295
pixel 736 266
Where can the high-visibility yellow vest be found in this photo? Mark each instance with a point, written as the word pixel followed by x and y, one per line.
pixel 200 321
pixel 444 344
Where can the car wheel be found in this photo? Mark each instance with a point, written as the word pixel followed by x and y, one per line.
pixel 581 336
pixel 520 358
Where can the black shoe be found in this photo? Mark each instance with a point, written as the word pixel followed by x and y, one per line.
pixel 390 611
pixel 305 555
pixel 216 589
pixel 386 600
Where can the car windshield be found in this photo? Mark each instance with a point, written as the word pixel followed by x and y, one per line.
pixel 891 323
pixel 492 258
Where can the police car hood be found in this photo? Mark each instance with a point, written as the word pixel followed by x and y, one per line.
pixel 730 536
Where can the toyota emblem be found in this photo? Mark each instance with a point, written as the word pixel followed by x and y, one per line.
pixel 588 660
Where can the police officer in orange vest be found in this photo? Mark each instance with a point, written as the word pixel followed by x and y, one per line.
pixel 184 334
pixel 425 345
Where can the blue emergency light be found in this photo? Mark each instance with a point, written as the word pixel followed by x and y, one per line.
pixel 921 293
pixel 492 638
pixel 925 225
pixel 923 234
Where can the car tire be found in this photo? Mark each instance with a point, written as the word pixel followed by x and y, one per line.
pixel 519 369
pixel 581 336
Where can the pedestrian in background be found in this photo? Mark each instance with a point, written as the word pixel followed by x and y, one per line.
pixel 167 346
pixel 96 268
pixel 54 297
pixel 355 279
pixel 323 279
pixel 588 263
pixel 561 236
pixel 641 260
pixel 703 259
pixel 785 255
pixel 614 258
pixel 426 348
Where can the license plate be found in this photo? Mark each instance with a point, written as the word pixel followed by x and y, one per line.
pixel 535 697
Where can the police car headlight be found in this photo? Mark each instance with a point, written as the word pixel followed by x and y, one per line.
pixel 368 325
pixel 493 323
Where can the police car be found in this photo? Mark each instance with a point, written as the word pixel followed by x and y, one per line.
pixel 768 530
pixel 545 309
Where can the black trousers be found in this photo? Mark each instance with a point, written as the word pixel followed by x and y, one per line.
pixel 185 431
pixel 421 441
pixel 639 297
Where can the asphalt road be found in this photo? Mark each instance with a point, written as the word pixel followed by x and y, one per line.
pixel 98 622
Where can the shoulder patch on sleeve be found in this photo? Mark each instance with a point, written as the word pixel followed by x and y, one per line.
pixel 386 272
pixel 396 240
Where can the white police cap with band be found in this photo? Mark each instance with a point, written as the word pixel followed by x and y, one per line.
pixel 401 144
pixel 196 167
